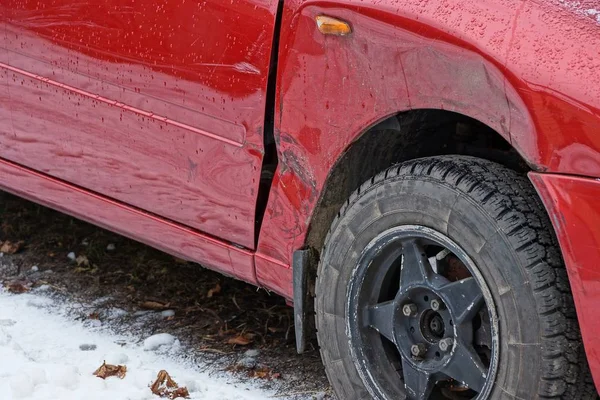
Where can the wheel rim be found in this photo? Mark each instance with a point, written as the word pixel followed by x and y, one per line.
pixel 421 318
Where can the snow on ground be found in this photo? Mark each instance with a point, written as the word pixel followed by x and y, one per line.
pixel 46 355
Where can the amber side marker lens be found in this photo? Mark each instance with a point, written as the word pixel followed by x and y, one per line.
pixel 333 26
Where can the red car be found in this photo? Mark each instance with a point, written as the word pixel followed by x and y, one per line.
pixel 425 173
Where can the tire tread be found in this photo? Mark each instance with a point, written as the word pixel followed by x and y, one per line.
pixel 513 202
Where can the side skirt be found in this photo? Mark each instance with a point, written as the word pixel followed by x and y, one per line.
pixel 136 224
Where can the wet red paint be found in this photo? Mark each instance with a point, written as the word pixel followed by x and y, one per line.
pixel 573 205
pixel 159 108
pixel 129 221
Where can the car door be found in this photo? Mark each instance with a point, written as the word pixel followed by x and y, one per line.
pixel 159 104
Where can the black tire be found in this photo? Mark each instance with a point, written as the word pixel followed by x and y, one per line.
pixel 494 214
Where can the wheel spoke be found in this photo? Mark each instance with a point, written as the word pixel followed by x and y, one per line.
pixel 465 299
pixel 466 367
pixel 381 318
pixel 415 264
pixel 418 384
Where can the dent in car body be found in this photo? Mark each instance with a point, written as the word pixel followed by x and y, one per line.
pixel 330 89
pixel 487 59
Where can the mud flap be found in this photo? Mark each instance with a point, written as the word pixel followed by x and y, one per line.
pixel 301 263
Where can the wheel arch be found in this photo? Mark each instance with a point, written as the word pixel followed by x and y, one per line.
pixel 407 135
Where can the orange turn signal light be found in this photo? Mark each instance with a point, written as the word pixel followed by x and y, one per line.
pixel 333 26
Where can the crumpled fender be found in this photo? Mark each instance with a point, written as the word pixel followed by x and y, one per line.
pixel 489 60
pixel 331 89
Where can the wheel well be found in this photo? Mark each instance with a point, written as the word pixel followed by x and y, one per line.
pixel 402 137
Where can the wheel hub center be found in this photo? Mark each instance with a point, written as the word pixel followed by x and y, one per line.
pixel 436 325
pixel 432 326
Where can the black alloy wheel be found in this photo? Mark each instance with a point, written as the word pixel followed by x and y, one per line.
pixel 418 308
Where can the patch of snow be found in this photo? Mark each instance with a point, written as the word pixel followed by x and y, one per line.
pixel 39 302
pixel 92 323
pixel 22 386
pixel 251 353
pixel 141 313
pixel 248 362
pixel 65 376
pixel 71 256
pixel 41 359
pixel 167 313
pixel 35 268
pixel 37 375
pixel 101 300
pixel 116 358
pixel 116 312
pixel 154 342
pixel 5 339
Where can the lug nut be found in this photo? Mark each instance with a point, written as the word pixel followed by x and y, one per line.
pixel 436 305
pixel 446 344
pixel 418 350
pixel 409 310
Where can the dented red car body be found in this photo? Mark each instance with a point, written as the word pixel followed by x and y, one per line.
pixel 159 121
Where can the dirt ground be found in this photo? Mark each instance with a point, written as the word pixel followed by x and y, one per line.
pixel 216 318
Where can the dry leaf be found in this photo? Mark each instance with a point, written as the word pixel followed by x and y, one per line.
pixel 258 373
pixel 264 373
pixel 215 290
pixel 261 374
pixel 18 287
pixel 165 386
pixel 94 315
pixel 107 370
pixel 154 305
pixel 241 339
pixel 82 260
pixel 9 247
